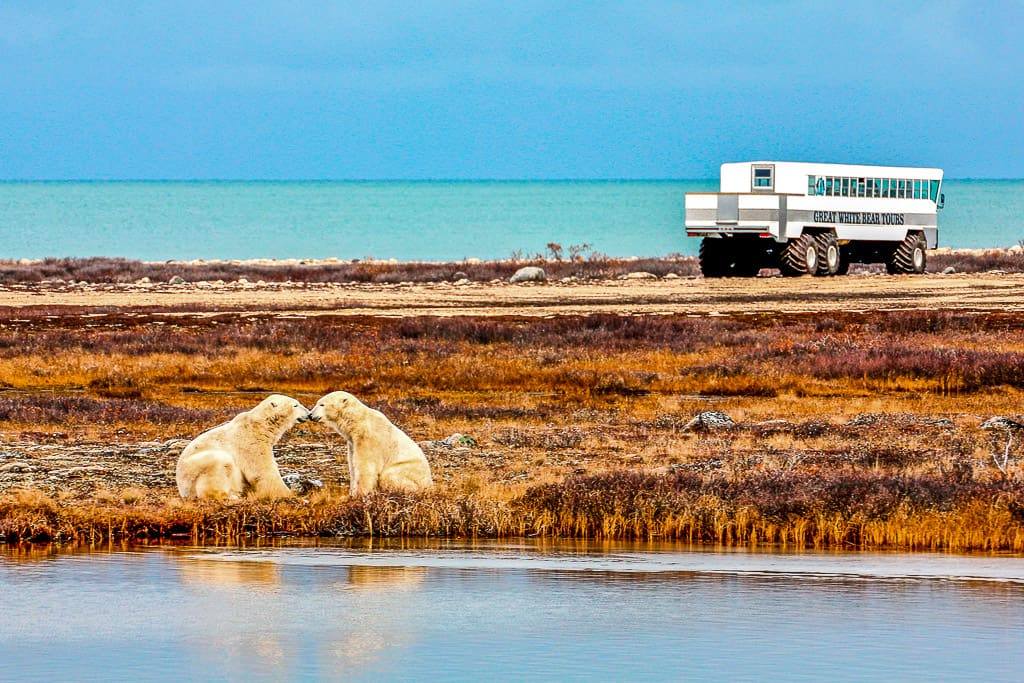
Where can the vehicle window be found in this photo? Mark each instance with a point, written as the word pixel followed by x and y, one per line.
pixel 763 178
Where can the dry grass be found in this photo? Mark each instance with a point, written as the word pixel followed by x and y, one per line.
pixel 578 423
pixel 846 508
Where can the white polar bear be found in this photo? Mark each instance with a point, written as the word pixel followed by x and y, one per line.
pixel 237 457
pixel 379 453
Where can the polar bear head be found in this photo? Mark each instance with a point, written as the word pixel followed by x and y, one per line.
pixel 279 413
pixel 338 409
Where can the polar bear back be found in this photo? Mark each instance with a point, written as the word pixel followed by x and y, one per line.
pixel 396 447
pixel 379 445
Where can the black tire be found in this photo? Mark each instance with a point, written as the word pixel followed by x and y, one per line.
pixel 711 262
pixel 799 256
pixel 829 254
pixel 727 258
pixel 909 256
pixel 845 257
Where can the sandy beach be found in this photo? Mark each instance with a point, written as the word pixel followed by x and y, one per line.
pixel 666 296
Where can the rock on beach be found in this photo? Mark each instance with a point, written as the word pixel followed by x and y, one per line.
pixel 529 274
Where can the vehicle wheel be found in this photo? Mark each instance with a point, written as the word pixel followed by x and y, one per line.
pixel 711 262
pixel 800 256
pixel 722 258
pixel 845 256
pixel 828 254
pixel 909 256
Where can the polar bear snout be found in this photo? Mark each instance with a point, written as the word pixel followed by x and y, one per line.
pixel 302 418
pixel 317 414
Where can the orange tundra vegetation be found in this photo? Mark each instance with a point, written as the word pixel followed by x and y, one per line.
pixel 851 429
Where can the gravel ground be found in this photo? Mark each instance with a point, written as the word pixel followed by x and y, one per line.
pixel 694 296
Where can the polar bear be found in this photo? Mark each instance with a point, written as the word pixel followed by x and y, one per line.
pixel 237 457
pixel 379 453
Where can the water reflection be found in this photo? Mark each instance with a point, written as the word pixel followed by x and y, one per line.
pixel 376 611
pixel 220 573
pixel 277 598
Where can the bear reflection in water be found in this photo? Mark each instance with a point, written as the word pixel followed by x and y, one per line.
pixel 358 611
pixel 259 574
pixel 237 458
pixel 379 453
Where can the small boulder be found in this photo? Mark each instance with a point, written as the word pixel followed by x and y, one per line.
pixel 459 275
pixel 639 275
pixel 529 274
pixel 709 420
pixel 301 484
pixel 454 441
pixel 1003 423
pixel 176 280
pixel 949 270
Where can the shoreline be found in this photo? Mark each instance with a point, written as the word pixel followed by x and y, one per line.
pixel 335 261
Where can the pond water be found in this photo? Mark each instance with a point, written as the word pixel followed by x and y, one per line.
pixel 507 611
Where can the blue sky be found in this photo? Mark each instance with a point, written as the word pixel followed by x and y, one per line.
pixel 505 90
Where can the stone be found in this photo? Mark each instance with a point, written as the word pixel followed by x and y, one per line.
pixel 639 275
pixel 454 441
pixel 949 270
pixel 709 420
pixel 459 276
pixel 1003 423
pixel 176 280
pixel 301 484
pixel 459 440
pixel 529 274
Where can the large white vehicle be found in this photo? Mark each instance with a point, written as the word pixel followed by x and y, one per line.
pixel 815 218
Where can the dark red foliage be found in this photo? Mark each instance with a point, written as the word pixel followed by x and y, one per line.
pixel 57 409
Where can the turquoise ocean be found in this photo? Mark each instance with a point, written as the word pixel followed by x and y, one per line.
pixel 418 220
